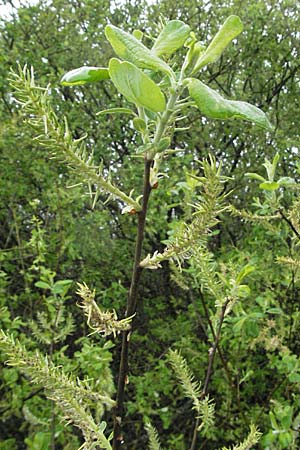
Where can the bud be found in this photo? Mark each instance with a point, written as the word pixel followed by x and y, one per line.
pixel 164 143
pixel 139 125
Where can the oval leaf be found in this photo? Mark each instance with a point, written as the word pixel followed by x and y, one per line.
pixel 137 87
pixel 85 75
pixel 42 285
pixel 63 282
pixel 164 143
pixel 139 124
pixel 138 34
pixel 231 28
pixel 129 48
pixel 171 38
pixel 269 185
pixel 214 106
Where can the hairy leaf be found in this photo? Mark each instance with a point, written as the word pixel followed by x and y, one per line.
pixel 255 176
pixel 171 38
pixel 115 111
pixel 214 106
pixel 136 86
pixel 131 49
pixel 84 75
pixel 231 28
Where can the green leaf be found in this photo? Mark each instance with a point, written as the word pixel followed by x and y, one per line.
pixel 196 49
pixel 164 143
pixel 271 166
pixel 243 290
pixel 144 148
pixel 61 286
pixel 239 324
pixel 287 418
pixel 102 426
pixel 294 377
pixel 171 38
pixel 274 311
pixel 85 75
pixel 214 106
pixel 115 111
pixel 231 28
pixel 40 441
pixel 63 282
pixel 285 439
pixel 129 48
pixel 42 285
pixel 138 34
pixel 286 181
pixel 273 421
pixel 246 270
pixel 269 185
pixel 139 124
pixel 137 87
pixel 255 176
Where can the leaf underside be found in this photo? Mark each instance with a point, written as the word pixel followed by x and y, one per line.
pixel 214 106
pixel 84 75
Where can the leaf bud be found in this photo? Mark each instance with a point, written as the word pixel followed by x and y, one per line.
pixel 163 144
pixel 139 125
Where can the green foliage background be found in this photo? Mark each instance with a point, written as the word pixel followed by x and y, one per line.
pixel 50 233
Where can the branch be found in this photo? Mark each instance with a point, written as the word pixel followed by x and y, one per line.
pixel 212 350
pixel 49 132
pixel 73 397
pixel 207 209
pixel 131 309
pixel 211 357
pixel 287 220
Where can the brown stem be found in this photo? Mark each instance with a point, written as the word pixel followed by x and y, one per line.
pixel 130 310
pixel 195 434
pixel 211 357
pixel 223 360
pixel 212 350
pixel 199 317
pixel 52 426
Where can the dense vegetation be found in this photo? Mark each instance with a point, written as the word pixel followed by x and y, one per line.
pixel 234 294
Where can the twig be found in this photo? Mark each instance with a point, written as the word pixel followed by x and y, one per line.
pixel 266 402
pixel 220 353
pixel 212 350
pixel 289 223
pixel 131 309
pixel 29 396
pixel 211 357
